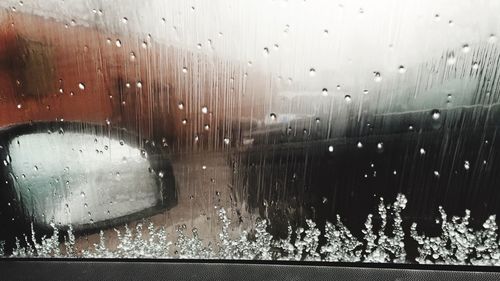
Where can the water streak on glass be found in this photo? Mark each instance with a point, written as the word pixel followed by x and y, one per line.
pixel 359 131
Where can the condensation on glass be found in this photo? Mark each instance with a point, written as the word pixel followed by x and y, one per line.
pixel 361 131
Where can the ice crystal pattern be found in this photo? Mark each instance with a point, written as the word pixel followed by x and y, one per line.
pixel 382 243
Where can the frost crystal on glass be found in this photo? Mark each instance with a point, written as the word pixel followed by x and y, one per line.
pixel 382 242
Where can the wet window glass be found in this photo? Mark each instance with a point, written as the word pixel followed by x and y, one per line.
pixel 348 131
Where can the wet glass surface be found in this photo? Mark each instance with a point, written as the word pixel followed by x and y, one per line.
pixel 300 130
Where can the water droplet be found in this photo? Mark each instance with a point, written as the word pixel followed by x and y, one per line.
pixel 265 52
pixel 365 92
pixel 19 106
pixel 180 105
pixel 465 48
pixel 437 17
pixel 492 38
pixel 312 72
pixel 347 98
pixel 138 84
pixel 82 194
pixel 204 167
pixel 436 173
pixel 422 151
pixel 436 114
pixel 184 69
pixel 377 77
pixel 226 141
pixel 184 121
pixel 330 148
pixel 276 46
pixel 324 92
pixel 124 20
pixel 132 56
pixel 475 65
pixel 161 174
pixel 359 145
pixel 402 69
pixel 81 86
pixel 466 165
pixel 273 116
pixel 451 60
pixel 204 110
pixel 317 120
pixel 287 28
pixel 206 127
pixel 144 44
pixel 380 145
pixel 118 43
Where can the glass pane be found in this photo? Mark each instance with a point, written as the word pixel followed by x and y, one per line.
pixel 355 131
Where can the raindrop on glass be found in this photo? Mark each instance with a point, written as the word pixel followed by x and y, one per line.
pixel 451 60
pixel 380 145
pixel 436 114
pixel 265 52
pixel 466 165
pixel 492 38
